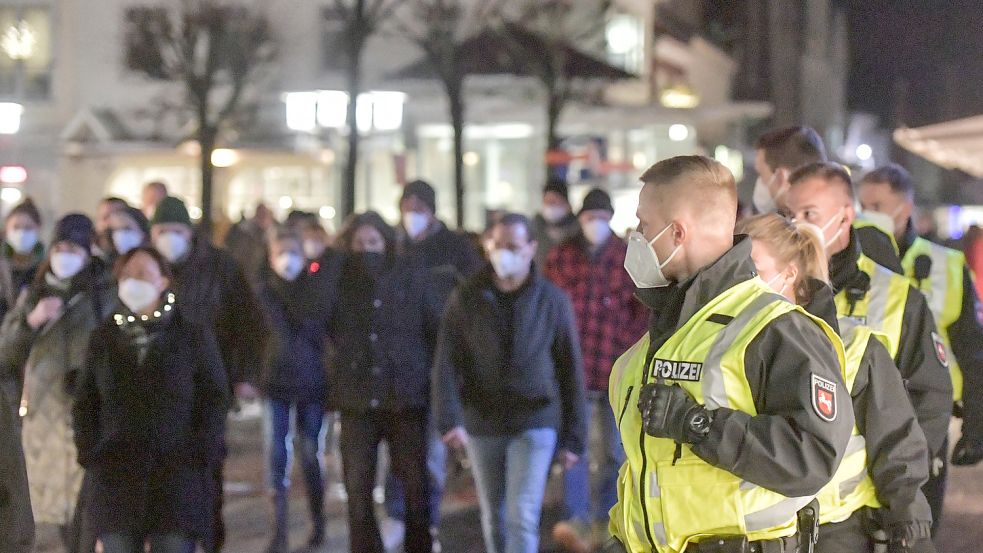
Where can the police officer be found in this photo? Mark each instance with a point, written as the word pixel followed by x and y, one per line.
pixel 942 275
pixel 732 408
pixel 870 295
pixel 780 152
pixel 877 486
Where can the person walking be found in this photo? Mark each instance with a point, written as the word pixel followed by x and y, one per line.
pixel 731 408
pixel 21 253
pixel 509 385
pixel 149 415
pixel 555 223
pixel 383 330
pixel 294 382
pixel 589 268
pixel 43 343
pixel 868 294
pixel 212 291
pixel 877 488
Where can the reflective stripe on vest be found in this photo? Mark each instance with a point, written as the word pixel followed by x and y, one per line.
pixel 666 502
pixel 882 308
pixel 851 487
pixel 943 290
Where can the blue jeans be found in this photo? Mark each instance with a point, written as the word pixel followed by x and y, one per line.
pixel 159 543
pixel 510 472
pixel 576 480
pixel 437 471
pixel 280 449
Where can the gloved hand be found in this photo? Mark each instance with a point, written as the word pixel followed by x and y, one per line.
pixel 667 412
pixel 908 537
pixel 968 451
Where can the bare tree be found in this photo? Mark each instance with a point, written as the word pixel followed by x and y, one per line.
pixel 215 50
pixel 442 28
pixel 359 19
pixel 542 35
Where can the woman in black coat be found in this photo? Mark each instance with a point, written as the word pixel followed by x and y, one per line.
pixel 383 330
pixel 148 416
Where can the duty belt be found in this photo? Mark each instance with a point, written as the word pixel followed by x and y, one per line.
pixel 731 544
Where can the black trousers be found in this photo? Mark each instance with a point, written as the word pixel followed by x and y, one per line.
pixel 934 489
pixel 406 434
pixel 853 536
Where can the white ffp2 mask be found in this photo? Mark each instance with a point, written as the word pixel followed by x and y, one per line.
pixel 642 263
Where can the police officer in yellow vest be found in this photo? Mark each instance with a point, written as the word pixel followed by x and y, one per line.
pixel 877 486
pixel 778 153
pixel 870 295
pixel 732 409
pixel 942 275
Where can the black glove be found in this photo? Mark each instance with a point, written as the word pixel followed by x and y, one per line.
pixel 669 412
pixel 968 451
pixel 908 537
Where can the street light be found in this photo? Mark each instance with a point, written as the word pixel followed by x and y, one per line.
pixel 864 152
pixel 10 117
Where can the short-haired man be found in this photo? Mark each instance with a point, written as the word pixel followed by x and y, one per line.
pixel 942 275
pixel 780 152
pixel 732 409
pixel 153 193
pixel 508 384
pixel 871 295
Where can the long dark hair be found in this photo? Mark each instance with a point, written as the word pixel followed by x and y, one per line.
pixel 368 218
pixel 165 267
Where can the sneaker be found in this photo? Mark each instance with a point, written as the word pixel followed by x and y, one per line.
pixel 393 533
pixel 574 536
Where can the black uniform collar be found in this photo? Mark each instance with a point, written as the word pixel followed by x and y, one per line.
pixel 680 301
pixel 843 269
pixel 908 239
pixel 821 302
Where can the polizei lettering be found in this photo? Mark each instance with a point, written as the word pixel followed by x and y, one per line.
pixel 677 370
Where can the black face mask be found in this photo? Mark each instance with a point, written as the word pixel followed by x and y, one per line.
pixel 373 262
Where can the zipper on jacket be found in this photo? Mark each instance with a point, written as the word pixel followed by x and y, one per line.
pixel 624 408
pixel 677 453
pixel 641 476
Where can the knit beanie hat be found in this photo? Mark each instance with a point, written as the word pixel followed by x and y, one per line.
pixel 597 199
pixel 557 186
pixel 423 191
pixel 75 228
pixel 171 210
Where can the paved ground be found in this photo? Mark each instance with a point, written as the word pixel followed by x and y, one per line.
pixel 247 512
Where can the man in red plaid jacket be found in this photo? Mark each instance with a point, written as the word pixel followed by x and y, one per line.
pixel 590 268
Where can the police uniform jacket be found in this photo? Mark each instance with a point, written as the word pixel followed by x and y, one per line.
pixel 925 378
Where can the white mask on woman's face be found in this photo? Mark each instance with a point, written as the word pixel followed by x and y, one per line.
pixel 137 294
pixel 22 240
pixel 288 266
pixel 65 265
pixel 125 240
pixel 415 223
pixel 779 277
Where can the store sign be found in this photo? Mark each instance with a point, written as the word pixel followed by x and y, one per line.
pixel 375 110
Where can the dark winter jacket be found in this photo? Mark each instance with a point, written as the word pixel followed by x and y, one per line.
pixel 441 248
pixel 383 331
pixel 16 518
pixel 297 316
pixel 146 431
pixel 15 279
pixel 212 291
pixel 497 374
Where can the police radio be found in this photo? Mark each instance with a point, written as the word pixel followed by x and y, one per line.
pixel 923 267
pixel 857 289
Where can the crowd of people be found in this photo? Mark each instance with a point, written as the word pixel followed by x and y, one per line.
pixel 739 379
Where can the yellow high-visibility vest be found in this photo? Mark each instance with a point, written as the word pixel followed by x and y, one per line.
pixel 668 498
pixel 943 290
pixel 860 222
pixel 851 487
pixel 881 308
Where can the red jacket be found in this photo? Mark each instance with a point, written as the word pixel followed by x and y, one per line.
pixel 608 315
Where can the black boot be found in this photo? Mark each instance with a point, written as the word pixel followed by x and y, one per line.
pixel 318 533
pixel 280 531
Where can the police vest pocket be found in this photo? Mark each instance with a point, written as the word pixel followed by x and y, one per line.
pixel 697 500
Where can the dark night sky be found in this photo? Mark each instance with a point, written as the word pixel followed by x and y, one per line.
pixel 916 62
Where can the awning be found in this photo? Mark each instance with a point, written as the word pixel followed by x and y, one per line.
pixel 954 144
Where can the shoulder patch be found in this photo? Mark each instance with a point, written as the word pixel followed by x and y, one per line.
pixel 940 350
pixel 823 394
